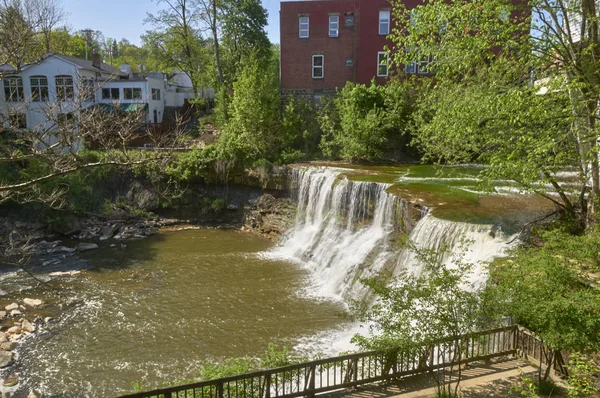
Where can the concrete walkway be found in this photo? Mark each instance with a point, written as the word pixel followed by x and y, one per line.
pixel 480 380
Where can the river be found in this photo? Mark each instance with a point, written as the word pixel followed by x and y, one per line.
pixel 154 311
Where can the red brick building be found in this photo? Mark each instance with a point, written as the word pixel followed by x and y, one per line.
pixel 326 43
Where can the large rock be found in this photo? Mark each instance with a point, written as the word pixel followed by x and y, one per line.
pixel 26 326
pixel 34 394
pixel 11 307
pixel 15 313
pixel 9 345
pixel 32 302
pixel 86 246
pixel 14 330
pixel 64 273
pixel 2 314
pixel 62 249
pixel 6 359
pixel 109 231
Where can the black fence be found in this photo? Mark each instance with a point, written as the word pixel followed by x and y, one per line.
pixel 310 378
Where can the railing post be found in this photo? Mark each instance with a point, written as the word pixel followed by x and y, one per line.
pixel 516 341
pixel 355 369
pixel 311 384
pixel 220 390
pixel 168 395
pixel 268 386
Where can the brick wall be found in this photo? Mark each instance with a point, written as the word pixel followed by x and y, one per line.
pixel 296 53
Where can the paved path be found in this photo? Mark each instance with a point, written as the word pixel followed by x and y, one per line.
pixel 480 380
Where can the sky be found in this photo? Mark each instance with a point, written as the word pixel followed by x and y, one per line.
pixel 125 18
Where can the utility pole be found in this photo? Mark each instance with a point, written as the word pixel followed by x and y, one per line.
pixel 88 38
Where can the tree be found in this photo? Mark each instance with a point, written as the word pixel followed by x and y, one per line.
pixel 18 39
pixel 490 51
pixel 549 291
pixel 363 122
pixel 49 14
pixel 251 132
pixel 243 36
pixel 417 309
pixel 176 39
pixel 63 42
pixel 211 16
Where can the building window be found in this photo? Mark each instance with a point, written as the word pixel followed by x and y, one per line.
pixel 349 19
pixel 411 68
pixel 155 94
pixel 334 25
pixel 110 94
pixel 423 66
pixel 18 121
pixel 39 88
pixel 13 89
pixel 132 93
pixel 65 120
pixel 384 22
pixel 349 61
pixel 382 63
pixel 304 27
pixel 89 89
pixel 318 64
pixel 64 88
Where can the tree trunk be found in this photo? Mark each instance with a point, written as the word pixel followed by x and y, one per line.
pixel 216 39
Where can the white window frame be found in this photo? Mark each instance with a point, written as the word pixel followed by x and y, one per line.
pixel 304 27
pixel 334 25
pixel 155 94
pixel 322 66
pixel 131 93
pixel 13 89
pixel 65 88
pixel 379 64
pixel 384 21
pixel 39 88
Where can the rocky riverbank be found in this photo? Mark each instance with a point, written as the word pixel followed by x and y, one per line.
pixel 18 321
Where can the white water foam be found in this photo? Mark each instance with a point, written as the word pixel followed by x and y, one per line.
pixel 345 230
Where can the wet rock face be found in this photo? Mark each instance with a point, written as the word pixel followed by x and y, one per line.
pixel 269 216
pixel 6 359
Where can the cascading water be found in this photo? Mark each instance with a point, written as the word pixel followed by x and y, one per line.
pixel 347 230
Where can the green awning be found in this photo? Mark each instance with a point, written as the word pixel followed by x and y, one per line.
pixel 120 107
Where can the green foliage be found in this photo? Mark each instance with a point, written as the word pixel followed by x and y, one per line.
pixel 482 106
pixel 300 131
pixel 546 290
pixel 243 37
pixel 193 166
pixel 365 121
pixel 419 308
pixel 583 376
pixel 273 357
pixel 252 129
pixel 527 387
pixel 222 104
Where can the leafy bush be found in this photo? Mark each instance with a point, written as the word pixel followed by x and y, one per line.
pixel 253 125
pixel 193 166
pixel 300 131
pixel 364 122
pixel 583 376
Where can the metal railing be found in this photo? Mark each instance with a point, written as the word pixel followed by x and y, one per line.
pixel 323 375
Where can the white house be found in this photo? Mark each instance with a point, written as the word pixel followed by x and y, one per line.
pixel 55 79
pixel 59 84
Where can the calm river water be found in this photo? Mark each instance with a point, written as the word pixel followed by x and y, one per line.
pixel 157 309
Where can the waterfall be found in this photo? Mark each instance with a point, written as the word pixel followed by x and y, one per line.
pixel 347 230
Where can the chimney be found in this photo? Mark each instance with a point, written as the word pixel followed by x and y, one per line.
pixel 96 62
pixel 125 68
